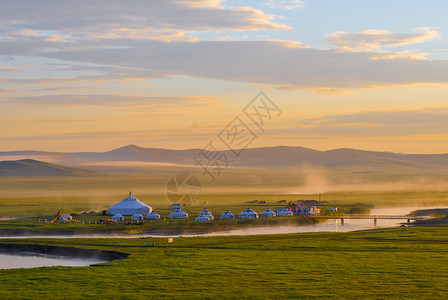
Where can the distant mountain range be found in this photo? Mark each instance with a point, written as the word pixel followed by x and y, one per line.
pixel 31 167
pixel 281 157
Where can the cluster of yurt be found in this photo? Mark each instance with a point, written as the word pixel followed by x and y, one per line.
pixel 131 206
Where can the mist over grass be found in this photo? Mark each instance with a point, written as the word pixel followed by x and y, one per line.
pixel 37 196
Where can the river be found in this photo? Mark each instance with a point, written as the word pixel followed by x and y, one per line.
pixel 21 260
pixel 327 226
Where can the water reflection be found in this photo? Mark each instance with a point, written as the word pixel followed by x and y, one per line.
pixel 8 261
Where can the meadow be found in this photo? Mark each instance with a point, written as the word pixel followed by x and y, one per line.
pixel 398 263
pixel 394 263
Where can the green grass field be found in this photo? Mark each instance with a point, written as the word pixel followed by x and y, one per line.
pixel 399 263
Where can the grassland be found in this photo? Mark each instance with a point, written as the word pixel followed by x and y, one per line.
pixel 399 263
pixel 31 199
pixel 40 197
pixel 394 263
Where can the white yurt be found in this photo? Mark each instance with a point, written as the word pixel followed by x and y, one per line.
pixel 248 213
pixel 202 219
pixel 118 217
pixel 137 217
pixel 285 213
pixel 227 215
pixel 178 214
pixel 268 213
pixel 130 206
pixel 153 216
pixel 176 206
pixel 65 217
pixel 206 213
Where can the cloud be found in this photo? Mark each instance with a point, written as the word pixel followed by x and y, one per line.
pixel 285 4
pixel 112 100
pixel 141 39
pixel 67 88
pixel 379 123
pixel 375 39
pixel 263 62
pixel 8 69
pixel 85 18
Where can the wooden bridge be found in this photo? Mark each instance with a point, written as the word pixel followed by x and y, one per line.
pixel 375 218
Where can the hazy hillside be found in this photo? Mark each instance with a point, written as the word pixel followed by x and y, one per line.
pixel 30 167
pixel 281 157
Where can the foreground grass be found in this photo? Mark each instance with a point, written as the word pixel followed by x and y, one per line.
pixel 394 263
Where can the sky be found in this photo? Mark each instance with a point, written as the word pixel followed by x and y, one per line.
pixel 97 75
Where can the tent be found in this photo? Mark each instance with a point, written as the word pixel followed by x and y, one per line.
pixel 206 213
pixel 137 217
pixel 153 216
pixel 268 213
pixel 130 206
pixel 202 219
pixel 118 217
pixel 285 213
pixel 227 215
pixel 176 206
pixel 65 217
pixel 248 214
pixel 178 214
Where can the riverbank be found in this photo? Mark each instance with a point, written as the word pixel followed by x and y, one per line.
pixel 29 227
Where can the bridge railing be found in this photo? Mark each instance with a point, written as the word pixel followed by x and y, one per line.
pixel 359 216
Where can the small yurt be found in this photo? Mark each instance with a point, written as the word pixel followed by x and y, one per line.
pixel 137 217
pixel 268 213
pixel 153 216
pixel 178 214
pixel 130 206
pixel 248 214
pixel 176 206
pixel 227 215
pixel 65 217
pixel 202 219
pixel 285 213
pixel 206 213
pixel 118 217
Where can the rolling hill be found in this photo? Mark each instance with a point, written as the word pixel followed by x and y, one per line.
pixel 31 167
pixel 281 157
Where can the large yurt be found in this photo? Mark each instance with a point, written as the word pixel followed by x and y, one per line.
pixel 206 213
pixel 227 215
pixel 118 217
pixel 268 213
pixel 153 216
pixel 178 214
pixel 137 217
pixel 285 213
pixel 202 219
pixel 130 206
pixel 248 214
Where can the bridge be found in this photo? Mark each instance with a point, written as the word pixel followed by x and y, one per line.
pixel 375 218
